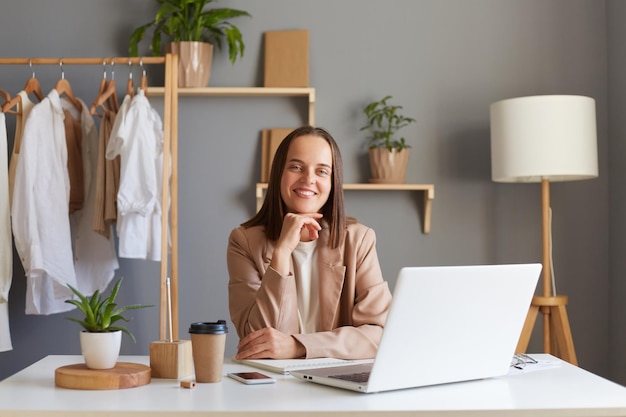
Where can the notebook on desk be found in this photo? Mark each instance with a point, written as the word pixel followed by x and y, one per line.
pixel 284 366
pixel 445 324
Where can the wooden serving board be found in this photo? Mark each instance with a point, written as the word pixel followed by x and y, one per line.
pixel 123 375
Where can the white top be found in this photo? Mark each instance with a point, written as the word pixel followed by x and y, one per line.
pixel 307 285
pixel 6 255
pixel 561 391
pixel 95 260
pixel 137 136
pixel 40 209
pixel 24 107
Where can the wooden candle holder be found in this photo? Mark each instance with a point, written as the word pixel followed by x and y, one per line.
pixel 171 359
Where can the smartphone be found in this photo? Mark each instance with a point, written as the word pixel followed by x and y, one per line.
pixel 251 378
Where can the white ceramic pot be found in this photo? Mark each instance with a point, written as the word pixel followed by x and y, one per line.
pixel 100 350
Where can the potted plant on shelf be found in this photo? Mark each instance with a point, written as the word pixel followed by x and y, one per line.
pixel 388 154
pixel 192 31
pixel 101 338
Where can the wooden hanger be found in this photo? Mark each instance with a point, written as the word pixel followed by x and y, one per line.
pixel 5 94
pixel 144 79
pixel 32 84
pixel 63 87
pixel 130 89
pixel 107 93
pixel 8 105
pixel 112 102
pixel 101 90
pixel 32 87
pixel 104 81
pixel 7 98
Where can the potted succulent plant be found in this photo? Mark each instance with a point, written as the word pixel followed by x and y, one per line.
pixel 389 155
pixel 101 337
pixel 191 28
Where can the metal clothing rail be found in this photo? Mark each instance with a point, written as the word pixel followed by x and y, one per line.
pixel 170 152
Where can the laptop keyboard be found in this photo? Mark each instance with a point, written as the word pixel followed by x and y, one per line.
pixel 360 377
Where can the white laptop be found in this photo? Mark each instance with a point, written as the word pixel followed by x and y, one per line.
pixel 446 324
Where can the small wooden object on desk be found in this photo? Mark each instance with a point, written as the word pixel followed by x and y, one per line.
pixel 171 358
pixel 123 375
pixel 188 384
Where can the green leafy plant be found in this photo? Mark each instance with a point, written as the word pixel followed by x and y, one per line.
pixel 101 314
pixel 189 20
pixel 384 121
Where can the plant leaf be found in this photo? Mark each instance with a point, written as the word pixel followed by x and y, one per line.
pixel 100 313
pixel 125 330
pixel 384 121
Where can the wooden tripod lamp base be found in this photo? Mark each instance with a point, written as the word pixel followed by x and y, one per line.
pixel 560 343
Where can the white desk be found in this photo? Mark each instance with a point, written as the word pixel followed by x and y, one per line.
pixel 561 391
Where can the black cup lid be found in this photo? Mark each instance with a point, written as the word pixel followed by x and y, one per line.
pixel 205 327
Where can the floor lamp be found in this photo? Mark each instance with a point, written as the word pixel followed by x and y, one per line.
pixel 543 139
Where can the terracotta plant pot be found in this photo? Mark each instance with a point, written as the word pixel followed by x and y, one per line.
pixel 194 62
pixel 100 350
pixel 388 167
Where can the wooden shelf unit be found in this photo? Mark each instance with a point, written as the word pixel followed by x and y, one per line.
pixel 308 92
pixel 427 189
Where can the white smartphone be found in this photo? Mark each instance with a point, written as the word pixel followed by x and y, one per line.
pixel 251 378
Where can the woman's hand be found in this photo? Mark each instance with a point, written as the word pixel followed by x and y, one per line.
pixel 269 343
pixel 290 235
pixel 294 224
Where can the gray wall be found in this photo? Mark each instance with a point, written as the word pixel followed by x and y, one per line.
pixel 616 10
pixel 445 61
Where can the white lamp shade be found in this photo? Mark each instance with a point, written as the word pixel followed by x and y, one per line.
pixel 552 137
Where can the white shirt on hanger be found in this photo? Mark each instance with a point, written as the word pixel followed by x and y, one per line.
pixel 40 209
pixel 6 255
pixel 95 260
pixel 24 107
pixel 137 136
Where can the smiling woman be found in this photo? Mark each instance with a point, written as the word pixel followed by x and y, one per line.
pixel 304 280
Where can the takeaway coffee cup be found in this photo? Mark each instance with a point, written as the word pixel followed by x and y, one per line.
pixel 208 341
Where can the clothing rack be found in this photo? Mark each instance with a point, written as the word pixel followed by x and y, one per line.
pixel 170 152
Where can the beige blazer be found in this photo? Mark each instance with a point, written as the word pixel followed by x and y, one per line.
pixel 354 298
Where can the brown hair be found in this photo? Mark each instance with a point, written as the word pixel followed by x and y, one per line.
pixel 273 210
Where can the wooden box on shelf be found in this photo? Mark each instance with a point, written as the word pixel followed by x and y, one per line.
pixel 287 58
pixel 270 139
